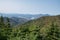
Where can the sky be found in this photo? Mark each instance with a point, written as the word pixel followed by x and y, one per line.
pixel 30 6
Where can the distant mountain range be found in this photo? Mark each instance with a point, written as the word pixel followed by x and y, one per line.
pixel 26 16
pixel 16 19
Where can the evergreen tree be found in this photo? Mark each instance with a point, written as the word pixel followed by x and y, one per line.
pixel 2 29
pixel 1 21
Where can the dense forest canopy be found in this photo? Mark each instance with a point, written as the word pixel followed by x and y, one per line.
pixel 44 28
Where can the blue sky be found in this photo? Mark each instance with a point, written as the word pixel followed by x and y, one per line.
pixel 30 6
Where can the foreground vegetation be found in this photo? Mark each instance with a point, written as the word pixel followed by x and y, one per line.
pixel 44 28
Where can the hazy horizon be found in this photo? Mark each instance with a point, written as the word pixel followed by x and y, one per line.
pixel 30 6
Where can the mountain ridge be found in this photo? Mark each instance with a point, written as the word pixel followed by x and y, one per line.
pixel 27 16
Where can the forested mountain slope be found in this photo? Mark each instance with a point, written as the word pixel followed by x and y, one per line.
pixel 44 28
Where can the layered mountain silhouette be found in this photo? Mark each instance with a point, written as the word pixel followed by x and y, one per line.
pixel 16 19
pixel 26 16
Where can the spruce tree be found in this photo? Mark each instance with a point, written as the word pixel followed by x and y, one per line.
pixel 1 21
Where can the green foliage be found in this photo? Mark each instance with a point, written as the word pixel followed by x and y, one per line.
pixel 54 34
pixel 45 28
pixel 5 29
